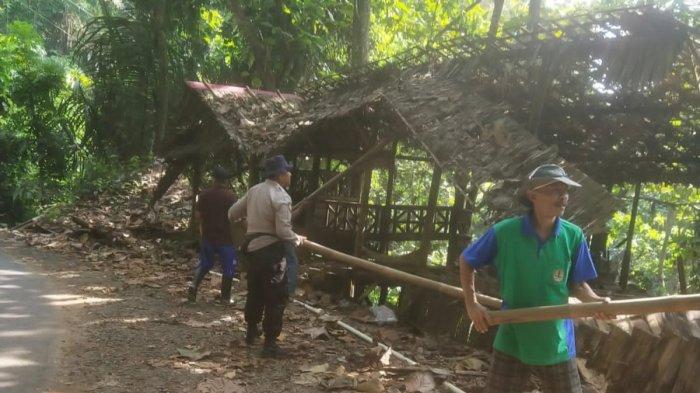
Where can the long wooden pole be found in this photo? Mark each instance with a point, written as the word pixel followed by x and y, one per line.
pixel 354 167
pixel 651 305
pixel 676 303
pixel 395 274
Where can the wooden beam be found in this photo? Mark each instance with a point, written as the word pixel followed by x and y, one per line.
pixel 394 274
pixel 353 168
pixel 386 209
pixel 429 221
pixel 625 269
pixel 678 303
pixel 454 246
pixel 362 212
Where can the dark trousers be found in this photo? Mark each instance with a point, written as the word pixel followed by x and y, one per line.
pixel 267 289
pixel 510 375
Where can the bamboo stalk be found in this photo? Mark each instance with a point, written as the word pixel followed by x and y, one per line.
pixel 395 274
pixel 678 303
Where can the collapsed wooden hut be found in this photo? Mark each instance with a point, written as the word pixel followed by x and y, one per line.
pixel 613 93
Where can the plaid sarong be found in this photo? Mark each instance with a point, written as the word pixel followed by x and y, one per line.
pixel 510 375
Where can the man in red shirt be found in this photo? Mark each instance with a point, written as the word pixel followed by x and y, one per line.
pixel 215 232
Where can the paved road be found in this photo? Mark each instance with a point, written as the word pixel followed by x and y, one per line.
pixel 29 329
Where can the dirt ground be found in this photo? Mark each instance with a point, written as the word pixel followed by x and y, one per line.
pixel 128 334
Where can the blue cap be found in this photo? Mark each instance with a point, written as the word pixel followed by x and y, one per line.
pixel 276 165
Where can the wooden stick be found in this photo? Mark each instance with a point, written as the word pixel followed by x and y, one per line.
pixel 449 386
pixel 395 274
pixel 678 303
pixel 354 167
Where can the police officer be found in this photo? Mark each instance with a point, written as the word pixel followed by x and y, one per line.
pixel 268 211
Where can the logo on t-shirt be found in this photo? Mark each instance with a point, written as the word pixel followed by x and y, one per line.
pixel 558 275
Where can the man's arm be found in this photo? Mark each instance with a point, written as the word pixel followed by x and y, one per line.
pixel 238 210
pixel 477 313
pixel 583 292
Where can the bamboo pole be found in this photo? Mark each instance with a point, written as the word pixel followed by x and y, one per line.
pixel 354 167
pixel 395 274
pixel 651 305
pixel 678 303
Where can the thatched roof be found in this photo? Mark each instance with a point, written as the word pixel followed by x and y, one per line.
pixel 614 88
pixel 242 112
pixel 469 103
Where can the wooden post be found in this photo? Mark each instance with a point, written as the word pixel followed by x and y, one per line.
pixel 386 209
pixel 353 168
pixel 363 211
pixel 429 220
pixel 470 208
pixel 625 269
pixel 456 217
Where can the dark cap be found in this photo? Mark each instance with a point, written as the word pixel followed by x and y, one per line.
pixel 220 173
pixel 541 176
pixel 276 165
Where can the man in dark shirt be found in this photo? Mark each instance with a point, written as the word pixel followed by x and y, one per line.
pixel 215 232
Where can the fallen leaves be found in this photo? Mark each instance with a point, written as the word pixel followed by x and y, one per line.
pixel 220 385
pixel 317 333
pixel 421 382
pixel 192 354
pixel 321 368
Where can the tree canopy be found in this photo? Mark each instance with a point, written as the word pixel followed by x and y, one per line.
pixel 88 89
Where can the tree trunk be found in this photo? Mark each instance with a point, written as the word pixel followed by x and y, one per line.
pixel 162 88
pixel 682 281
pixel 534 15
pixel 360 33
pixel 668 227
pixel 495 19
pixel 625 269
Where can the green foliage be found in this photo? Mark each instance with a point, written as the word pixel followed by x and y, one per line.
pixel 650 232
pixel 398 25
pixel 38 125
